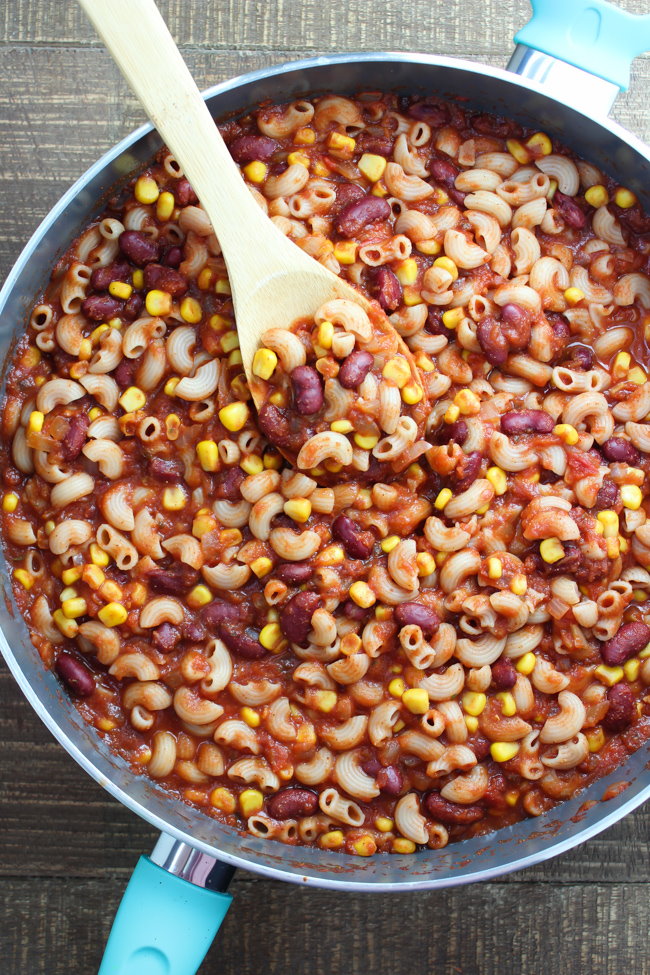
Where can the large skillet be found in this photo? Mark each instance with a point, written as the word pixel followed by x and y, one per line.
pixel 570 62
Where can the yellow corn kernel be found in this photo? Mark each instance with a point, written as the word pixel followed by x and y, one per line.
pixel 324 701
pixel 253 464
pixel 48 528
pixel 452 413
pixel 407 271
pixel 341 145
pixel 304 136
pixel 365 846
pixel 383 613
pixel 10 502
pixel 137 594
pixel 624 198
pixel 74 607
pixel 609 675
pixel 397 370
pixel 112 614
pixel 174 499
pixel 508 706
pixel 223 799
pixel 631 496
pixel 138 278
pixel 639 595
pixel 597 196
pixel 551 550
pixel 474 702
pixel 637 375
pixel 219 324
pixel 332 840
pixel 251 717
pixel 426 564
pixel 120 289
pixel 452 317
pixel 191 311
pixel 621 365
pixel 402 845
pixel 519 151
pixel 631 669
pixel 495 568
pixel 429 247
pixel 251 801
pixel 372 166
pixel 595 738
pixel 264 363
pixel 447 264
pixel 132 399
pixel 69 628
pixel 261 566
pixel 270 635
pixel 299 509
pixel 366 442
pixel 379 189
pixel 206 280
pixel 341 426
pixel 68 593
pixel 416 700
pixel 272 462
pixel 208 455
pixel 503 751
pixel 424 363
pixel 110 591
pixel 298 159
pixel 256 171
pixel 230 341
pixel 158 303
pixel 230 536
pixel 77 370
pixel 86 348
pixel 412 393
pixel 146 190
pixel 471 723
pixel 362 594
pixel 332 555
pixel 171 385
pixel 573 296
pixel 35 422
pixel 609 520
pixel 526 663
pixel 93 576
pixel 540 143
pixel 94 413
pixel 567 434
pixel 411 297
pixel 68 576
pixel 203 523
pixel 97 333
pixel 165 205
pixel 384 824
pixel 234 416
pixel 397 687
pixel 623 543
pixel 24 578
pixel 199 596
pixel 31 357
pixel 498 479
pixel 98 556
pixel 467 402
pixel 443 499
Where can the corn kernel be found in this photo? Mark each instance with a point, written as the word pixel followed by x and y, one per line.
pixel 631 669
pixel 251 801
pixel 639 595
pixel 68 576
pixel 624 198
pixel 540 143
pixel 365 846
pixel 452 317
pixel 146 190
pixel 366 442
pixel 230 341
pixel 132 399
pixel 304 136
pixel 98 556
pixel 383 613
pixel 384 824
pixel 474 702
pixel 495 568
pixel 36 421
pixel 69 628
pixel 519 151
pixel 341 145
pixel 573 296
pixel 93 576
pixel 467 402
pixel 379 189
pixel 299 509
pixel 165 205
pixel 595 738
pixel 191 311
pixel 412 393
pixel 597 196
pixel 503 751
pixel 261 566
pixel 508 706
pixel 120 289
pixel 174 499
pixel 397 370
pixel 112 614
pixel 471 723
pixel 158 303
pixel 24 578
pixel 332 840
pixel 443 499
pixel 609 675
pixel 230 536
pixel 138 277
pixel 631 496
pixel 251 717
pixel 426 564
pixel 447 264
pixel 341 426
pixel 298 159
pixel 609 520
pixel 526 663
pixel 264 363
pixel 68 593
pixel 234 416
pixel 199 596
pixel 407 271
pixel 396 687
pixel 483 509
pixel 424 363
pixel 270 635
pixel 637 375
pixel 402 845
pixel 208 455
pixel 171 385
pixel 621 365
pixel 110 591
pixel 272 462
pixel 452 413
pixel 49 527
pixel 372 166
pixel 332 555
pixel 567 434
pixel 416 700
pixel 324 701
pixel 498 479
pixel 551 550
pixel 10 502
pixel 256 171
pixel 74 607
pixel 362 594
pixel 429 247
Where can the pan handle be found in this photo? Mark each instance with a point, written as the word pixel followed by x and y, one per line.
pixel 171 910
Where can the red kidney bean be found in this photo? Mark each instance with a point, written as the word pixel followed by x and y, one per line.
pixel 493 342
pixel 378 145
pixel 390 780
pixel 607 497
pixel 357 542
pixel 355 368
pixel 346 193
pixel 444 811
pixel 165 469
pixel 527 421
pixel 183 192
pixel 245 643
pixel 133 307
pixel 352 611
pixel 219 611
pixel 456 431
pixel 434 115
pixel 307 388
pixel 480 746
pixel 630 640
pixel 103 276
pixel 637 221
pixel 229 483
pixel 579 356
pixel 622 708
pixel 125 371
pixel 619 450
pixel 561 332
pixel 504 675
pixel 495 794
pixel 290 803
pixel 247 148
pixel 100 307
pixel 174 581
pixel 468 470
pixel 275 426
pixel 166 279
pixel 417 614
pixel 371 766
pixel 295 616
pixel 356 215
pixel 193 631
pixel 568 210
pixel 138 248
pixel 75 674
pixel 172 257
pixel 515 325
pixel 443 171
pixel 500 128
pixel 75 438
pixel 385 287
pixel 434 324
pixel 165 637
pixel 293 572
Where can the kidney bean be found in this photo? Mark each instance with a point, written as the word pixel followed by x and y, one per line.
pixel 493 342
pixel 434 324
pixel 165 469
pixel 468 470
pixel 172 257
pixel 622 708
pixel 219 611
pixel 417 614
pixel 451 813
pixel 100 307
pixel 378 145
pixel 133 307
pixel 245 642
pixel 500 128
pixel 495 794
pixel 568 210
pixel 75 438
pixel 371 766
pixel 103 276
pixel 390 780
pixel 480 746
pixel 124 373
pixel 357 542
pixel 356 215
pixel 515 325
pixel 630 640
pixel 443 171
pixel 434 115
pixel 229 483
pixel 504 675
pixel 165 637
pixel 166 279
pixel 619 450
pixel 138 248
pixel 295 616
pixel 293 572
pixel 527 421
pixel 355 368
pixel 607 497
pixel 174 581
pixel 75 674
pixel 579 356
pixel 456 431
pixel 352 611
pixel 290 803
pixel 386 287
pixel 307 388
pixel 193 631
pixel 346 193
pixel 183 192
pixel 275 426
pixel 637 221
pixel 247 148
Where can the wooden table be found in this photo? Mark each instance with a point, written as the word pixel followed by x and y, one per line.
pixel 66 848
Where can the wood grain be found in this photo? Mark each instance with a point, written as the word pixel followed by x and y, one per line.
pixel 66 847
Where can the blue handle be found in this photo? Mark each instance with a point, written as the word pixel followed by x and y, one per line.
pixel 164 925
pixel 589 34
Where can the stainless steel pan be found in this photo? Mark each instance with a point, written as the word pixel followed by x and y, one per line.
pixel 570 62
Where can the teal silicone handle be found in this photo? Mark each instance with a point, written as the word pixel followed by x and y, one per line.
pixel 590 34
pixel 164 925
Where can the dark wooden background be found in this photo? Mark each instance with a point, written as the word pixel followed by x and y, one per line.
pixel 66 848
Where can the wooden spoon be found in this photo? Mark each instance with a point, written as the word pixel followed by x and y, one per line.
pixel 273 282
